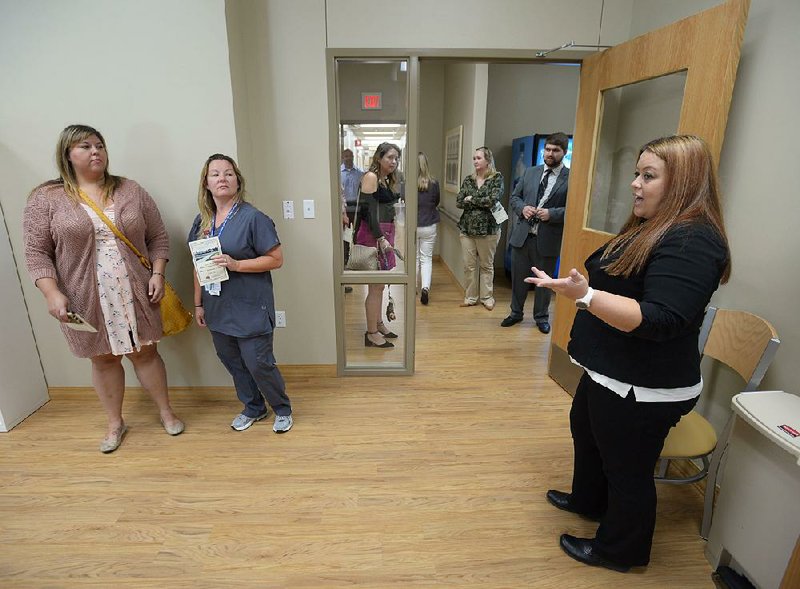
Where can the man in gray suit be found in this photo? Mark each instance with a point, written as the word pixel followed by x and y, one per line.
pixel 538 204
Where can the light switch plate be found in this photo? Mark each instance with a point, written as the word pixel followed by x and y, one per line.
pixel 280 318
pixel 308 209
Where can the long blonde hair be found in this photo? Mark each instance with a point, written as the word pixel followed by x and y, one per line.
pixel 489 157
pixel 691 195
pixel 424 177
pixel 71 135
pixel 205 202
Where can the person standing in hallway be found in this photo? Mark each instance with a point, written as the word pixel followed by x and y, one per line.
pixel 374 227
pixel 479 232
pixel 427 219
pixel 240 312
pixel 80 266
pixel 349 180
pixel 538 204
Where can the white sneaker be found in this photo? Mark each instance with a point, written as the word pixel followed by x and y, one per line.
pixel 283 423
pixel 241 422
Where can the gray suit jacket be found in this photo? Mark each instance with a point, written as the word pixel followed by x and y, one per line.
pixel 548 240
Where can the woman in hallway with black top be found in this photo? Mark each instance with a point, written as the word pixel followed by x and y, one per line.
pixel 374 227
pixel 641 305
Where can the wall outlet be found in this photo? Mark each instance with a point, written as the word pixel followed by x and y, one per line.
pixel 280 318
pixel 308 209
pixel 288 209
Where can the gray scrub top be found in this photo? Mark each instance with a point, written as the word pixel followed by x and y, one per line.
pixel 246 306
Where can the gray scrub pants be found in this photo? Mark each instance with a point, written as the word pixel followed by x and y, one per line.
pixel 251 363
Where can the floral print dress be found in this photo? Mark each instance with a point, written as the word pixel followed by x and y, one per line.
pixel 114 287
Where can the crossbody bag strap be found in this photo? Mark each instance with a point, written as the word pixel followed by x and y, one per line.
pixel 145 262
pixel 355 215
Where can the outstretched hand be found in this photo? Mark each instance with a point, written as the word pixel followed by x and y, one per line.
pixel 574 286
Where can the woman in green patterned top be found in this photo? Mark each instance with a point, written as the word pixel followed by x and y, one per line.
pixel 479 231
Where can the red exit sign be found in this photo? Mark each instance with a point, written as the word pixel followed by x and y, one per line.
pixel 371 101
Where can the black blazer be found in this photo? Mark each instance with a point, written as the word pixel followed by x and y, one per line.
pixel 673 291
pixel 548 238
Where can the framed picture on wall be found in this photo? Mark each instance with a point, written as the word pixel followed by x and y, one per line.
pixel 452 158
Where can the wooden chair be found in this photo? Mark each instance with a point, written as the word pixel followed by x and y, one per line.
pixel 747 344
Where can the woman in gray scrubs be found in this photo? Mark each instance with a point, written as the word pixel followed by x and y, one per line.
pixel 240 311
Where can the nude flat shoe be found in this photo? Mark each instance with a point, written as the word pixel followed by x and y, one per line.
pixel 174 429
pixel 113 442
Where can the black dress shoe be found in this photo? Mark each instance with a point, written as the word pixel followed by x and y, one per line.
pixel 510 320
pixel 370 344
pixel 582 550
pixel 387 334
pixel 423 298
pixel 544 327
pixel 561 500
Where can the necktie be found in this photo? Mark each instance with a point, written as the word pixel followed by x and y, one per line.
pixel 543 183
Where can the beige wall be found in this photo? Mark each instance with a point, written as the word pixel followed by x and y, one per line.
pixel 476 24
pixel 524 99
pixel 283 77
pixel 431 115
pixel 465 88
pixel 431 122
pixel 153 76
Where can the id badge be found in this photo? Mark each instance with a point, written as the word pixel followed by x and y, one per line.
pixel 214 289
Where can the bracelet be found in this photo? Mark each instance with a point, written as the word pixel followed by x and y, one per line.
pixel 158 274
pixel 199 306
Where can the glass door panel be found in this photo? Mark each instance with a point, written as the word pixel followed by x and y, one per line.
pixel 373 105
pixel 632 115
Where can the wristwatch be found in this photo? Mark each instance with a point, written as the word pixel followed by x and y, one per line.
pixel 585 300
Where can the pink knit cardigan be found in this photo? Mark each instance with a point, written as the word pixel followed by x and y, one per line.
pixel 60 244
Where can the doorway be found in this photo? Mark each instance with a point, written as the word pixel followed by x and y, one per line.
pixel 492 101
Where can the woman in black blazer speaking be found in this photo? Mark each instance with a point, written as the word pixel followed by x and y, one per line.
pixel 641 304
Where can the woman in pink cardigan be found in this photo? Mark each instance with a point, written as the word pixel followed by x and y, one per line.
pixel 75 259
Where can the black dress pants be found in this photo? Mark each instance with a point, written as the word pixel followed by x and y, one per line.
pixel 522 258
pixel 617 444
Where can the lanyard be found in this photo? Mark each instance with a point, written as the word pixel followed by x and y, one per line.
pixel 222 227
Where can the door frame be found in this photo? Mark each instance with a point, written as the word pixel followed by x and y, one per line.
pixel 408 279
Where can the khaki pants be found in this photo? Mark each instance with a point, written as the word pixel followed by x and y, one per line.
pixel 478 253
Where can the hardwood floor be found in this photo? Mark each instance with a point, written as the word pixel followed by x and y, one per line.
pixel 435 480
